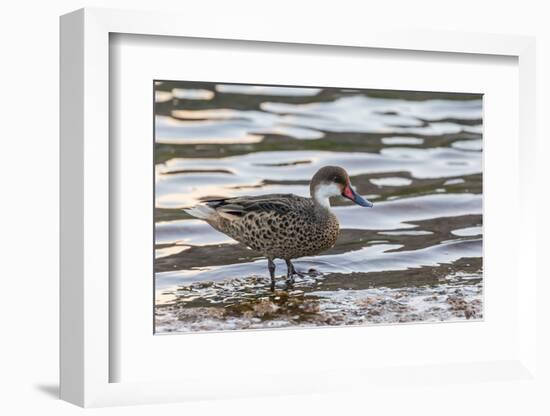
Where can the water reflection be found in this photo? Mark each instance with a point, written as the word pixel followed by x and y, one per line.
pixel 266 90
pixel 416 256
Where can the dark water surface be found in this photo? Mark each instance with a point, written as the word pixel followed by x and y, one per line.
pixel 415 256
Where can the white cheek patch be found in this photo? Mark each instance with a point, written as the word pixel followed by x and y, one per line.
pixel 324 191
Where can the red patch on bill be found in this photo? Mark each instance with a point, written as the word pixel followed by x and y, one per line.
pixel 349 193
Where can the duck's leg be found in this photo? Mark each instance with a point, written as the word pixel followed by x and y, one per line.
pixel 271 267
pixel 292 270
pixel 289 273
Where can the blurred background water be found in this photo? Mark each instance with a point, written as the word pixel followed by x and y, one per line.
pixel 415 256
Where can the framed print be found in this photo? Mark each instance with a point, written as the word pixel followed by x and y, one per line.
pixel 292 210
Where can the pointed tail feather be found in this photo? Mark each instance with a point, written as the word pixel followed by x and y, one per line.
pixel 202 212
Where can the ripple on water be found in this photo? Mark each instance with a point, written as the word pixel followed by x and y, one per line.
pixel 169 251
pixel 254 168
pixel 468 145
pixel 267 90
pixel 399 140
pixel 400 213
pixel 162 96
pixel 467 232
pixel 391 181
pixel 359 114
pixel 376 258
pixel 192 94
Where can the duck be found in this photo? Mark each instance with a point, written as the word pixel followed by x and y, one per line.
pixel 283 226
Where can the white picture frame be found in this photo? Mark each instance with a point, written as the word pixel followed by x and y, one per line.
pixel 86 355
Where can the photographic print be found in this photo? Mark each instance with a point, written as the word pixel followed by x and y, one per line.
pixel 296 207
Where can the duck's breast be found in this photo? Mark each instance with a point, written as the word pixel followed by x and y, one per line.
pixel 298 232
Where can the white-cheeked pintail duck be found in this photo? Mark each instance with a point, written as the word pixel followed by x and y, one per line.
pixel 283 226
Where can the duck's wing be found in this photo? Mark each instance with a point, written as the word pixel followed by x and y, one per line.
pixel 240 206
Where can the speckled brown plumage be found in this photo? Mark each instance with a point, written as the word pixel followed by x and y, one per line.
pixel 283 226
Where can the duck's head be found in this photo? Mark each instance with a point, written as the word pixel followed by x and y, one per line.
pixel 334 181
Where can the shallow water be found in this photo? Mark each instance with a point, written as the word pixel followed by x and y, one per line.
pixel 415 256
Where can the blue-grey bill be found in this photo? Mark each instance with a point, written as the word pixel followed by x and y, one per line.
pixel 350 193
pixel 359 200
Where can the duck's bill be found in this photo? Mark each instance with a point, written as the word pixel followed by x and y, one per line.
pixel 350 194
